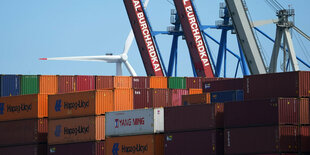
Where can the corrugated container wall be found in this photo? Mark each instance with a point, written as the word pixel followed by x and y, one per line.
pixel 304 111
pixel 193 82
pixel 29 84
pixel 176 96
pixel 122 81
pixel 160 98
pixel 85 83
pixel 123 99
pixel 77 104
pixel 86 148
pixel 48 84
pixel 22 132
pixel 176 83
pixel 209 142
pixel 10 85
pixel 305 139
pixel 196 99
pixel 23 107
pixel 158 82
pixel 66 84
pixel 39 149
pixel 148 145
pixel 194 91
pixel 141 98
pixel 223 85
pixel 226 96
pixel 74 130
pixel 104 82
pixel 139 82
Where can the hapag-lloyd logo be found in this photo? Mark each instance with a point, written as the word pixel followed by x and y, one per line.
pixel 75 131
pixel 129 149
pixel 128 122
pixel 18 108
pixel 76 105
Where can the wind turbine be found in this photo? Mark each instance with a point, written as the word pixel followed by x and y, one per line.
pixel 108 58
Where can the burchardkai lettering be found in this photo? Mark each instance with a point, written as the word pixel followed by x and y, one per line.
pixel 19 108
pixel 76 131
pixel 76 105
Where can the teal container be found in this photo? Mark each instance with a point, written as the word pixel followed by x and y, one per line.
pixel 29 84
pixel 177 83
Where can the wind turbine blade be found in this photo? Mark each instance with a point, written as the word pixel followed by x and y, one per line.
pixel 130 69
pixel 105 58
pixel 146 2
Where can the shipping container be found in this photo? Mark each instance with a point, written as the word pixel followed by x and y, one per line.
pixel 262 112
pixel 196 99
pixel 141 144
pixel 226 96
pixel 193 82
pixel 23 132
pixel 141 98
pixel 265 139
pixel 207 142
pixel 194 117
pixel 123 99
pixel 66 84
pixel 176 83
pixel 160 98
pixel 304 111
pixel 10 85
pixel 289 84
pixel 48 84
pixel 122 81
pixel 38 149
pixel 134 122
pixel 158 82
pixel 85 83
pixel 140 82
pixel 194 91
pixel 86 148
pixel 223 85
pixel 74 130
pixel 104 82
pixel 176 96
pixel 305 139
pixel 29 84
pixel 78 104
pixel 23 107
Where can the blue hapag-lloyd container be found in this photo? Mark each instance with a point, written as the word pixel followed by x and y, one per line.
pixel 10 85
pixel 226 96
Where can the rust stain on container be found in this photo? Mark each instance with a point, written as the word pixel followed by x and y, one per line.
pixel 193 82
pixel 196 99
pixel 85 83
pixel 140 82
pixel 66 84
pixel 158 82
pixel 104 82
pixel 86 148
pixel 194 91
pixel 176 96
pixel 122 81
pixel 74 130
pixel 123 99
pixel 80 104
pixel 48 84
pixel 23 107
pixel 39 149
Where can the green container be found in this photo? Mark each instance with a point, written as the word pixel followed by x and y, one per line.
pixel 177 83
pixel 29 84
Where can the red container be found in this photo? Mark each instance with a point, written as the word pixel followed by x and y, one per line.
pixel 85 83
pixel 262 112
pixel 289 84
pixel 39 149
pixel 176 96
pixel 21 132
pixel 193 117
pixel 208 142
pixel 141 98
pixel 140 82
pixel 104 82
pixel 160 98
pixel 87 148
pixel 305 139
pixel 266 139
pixel 223 85
pixel 66 84
pixel 304 111
pixel 193 82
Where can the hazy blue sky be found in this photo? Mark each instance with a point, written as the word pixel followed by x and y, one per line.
pixel 56 28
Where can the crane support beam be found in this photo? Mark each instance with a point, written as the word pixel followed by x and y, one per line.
pixel 302 33
pixel 291 51
pixel 246 36
pixel 194 39
pixel 275 51
pixel 143 34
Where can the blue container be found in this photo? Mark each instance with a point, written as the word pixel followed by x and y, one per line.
pixel 10 85
pixel 226 96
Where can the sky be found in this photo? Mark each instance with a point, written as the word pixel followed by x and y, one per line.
pixel 33 29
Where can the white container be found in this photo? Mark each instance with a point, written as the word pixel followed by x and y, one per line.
pixel 134 122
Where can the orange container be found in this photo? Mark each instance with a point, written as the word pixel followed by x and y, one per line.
pixel 23 107
pixel 74 130
pixel 123 99
pixel 122 81
pixel 142 144
pixel 77 104
pixel 48 84
pixel 158 82
pixel 196 99
pixel 194 91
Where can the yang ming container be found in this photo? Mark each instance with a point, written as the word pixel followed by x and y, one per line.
pixel 193 82
pixel 196 99
pixel 134 122
pixel 226 96
pixel 10 85
pixel 262 112
pixel 23 132
pixel 208 142
pixel 176 96
pixel 29 84
pixel 223 85
pixel 122 82
pixel 74 130
pixel 158 82
pixel 123 99
pixel 194 117
pixel 23 107
pixel 139 82
pixel 104 82
pixel 66 84
pixel 86 148
pixel 85 83
pixel 77 104
pixel 289 84
pixel 38 149
pixel 256 140
pixel 176 83
pixel 131 145
pixel 305 139
pixel 48 84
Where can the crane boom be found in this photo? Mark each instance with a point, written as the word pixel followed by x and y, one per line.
pixel 144 38
pixel 193 37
